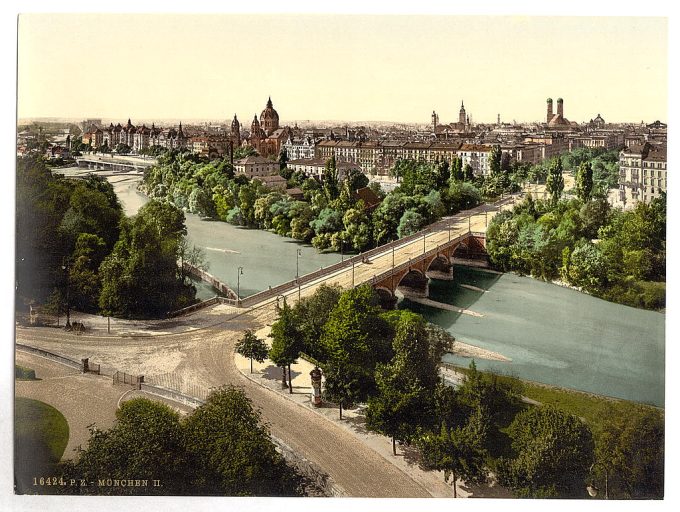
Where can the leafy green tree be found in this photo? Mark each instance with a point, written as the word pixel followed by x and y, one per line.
pixel 468 172
pixel 287 341
pixel 406 384
pixel 456 170
pixel 230 452
pixel 145 443
pixel 252 347
pixel 354 340
pixel 312 313
pixel 555 182
pixel 283 159
pixel 355 179
pixel 84 284
pixel 411 222
pixel 553 454
pixel 141 278
pixel 331 182
pixel 584 182
pixel 457 452
pixel 357 225
pixel 630 454
pixel 495 161
pixel 586 268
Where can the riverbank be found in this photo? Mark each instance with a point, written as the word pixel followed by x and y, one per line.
pixel 462 349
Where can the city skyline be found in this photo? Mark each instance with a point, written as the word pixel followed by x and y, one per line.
pixel 382 68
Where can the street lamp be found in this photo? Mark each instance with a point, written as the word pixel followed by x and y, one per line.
pixel 297 264
pixel 352 273
pixel 239 273
pixel 297 272
pixel 65 268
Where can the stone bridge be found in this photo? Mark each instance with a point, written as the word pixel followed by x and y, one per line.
pixel 114 164
pixel 413 276
pixel 405 264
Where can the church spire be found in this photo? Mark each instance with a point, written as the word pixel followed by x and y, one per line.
pixel 269 102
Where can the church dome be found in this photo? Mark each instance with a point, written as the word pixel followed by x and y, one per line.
pixel 269 112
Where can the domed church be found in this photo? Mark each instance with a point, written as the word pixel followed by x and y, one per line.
pixel 269 118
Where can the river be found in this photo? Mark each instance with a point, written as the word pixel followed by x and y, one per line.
pixel 552 335
pixel 267 259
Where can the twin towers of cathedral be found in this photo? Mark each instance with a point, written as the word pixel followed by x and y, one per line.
pixel 268 123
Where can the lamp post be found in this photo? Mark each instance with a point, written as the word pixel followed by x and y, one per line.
pixel 352 273
pixel 65 268
pixel 424 243
pixel 297 263
pixel 239 273
pixel 297 271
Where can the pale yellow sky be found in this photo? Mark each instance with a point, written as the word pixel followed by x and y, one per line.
pixel 394 68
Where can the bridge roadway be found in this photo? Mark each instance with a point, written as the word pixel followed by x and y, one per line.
pixel 206 356
pixel 383 260
pixel 117 163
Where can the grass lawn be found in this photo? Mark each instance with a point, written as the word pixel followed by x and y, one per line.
pixel 595 410
pixel 40 437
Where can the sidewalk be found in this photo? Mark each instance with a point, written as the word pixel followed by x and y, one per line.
pixel 267 375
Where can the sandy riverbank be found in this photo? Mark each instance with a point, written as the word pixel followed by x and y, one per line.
pixel 466 350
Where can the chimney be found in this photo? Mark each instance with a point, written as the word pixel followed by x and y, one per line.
pixel 560 107
pixel 550 111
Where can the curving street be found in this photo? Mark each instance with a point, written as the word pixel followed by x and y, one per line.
pixel 206 356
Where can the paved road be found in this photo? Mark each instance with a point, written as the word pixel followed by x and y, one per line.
pixel 207 357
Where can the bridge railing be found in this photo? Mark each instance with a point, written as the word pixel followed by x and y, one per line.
pixel 440 225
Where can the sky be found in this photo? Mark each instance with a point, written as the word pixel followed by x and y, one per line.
pixel 341 67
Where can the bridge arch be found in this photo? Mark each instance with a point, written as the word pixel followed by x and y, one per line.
pixel 388 300
pixel 413 282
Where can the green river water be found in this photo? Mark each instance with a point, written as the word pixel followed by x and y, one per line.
pixel 552 335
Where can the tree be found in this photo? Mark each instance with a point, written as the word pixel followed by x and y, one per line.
pixel 229 450
pixel 330 179
pixel 584 182
pixel 553 454
pixel 252 347
pixel 456 170
pixel 411 222
pixel 629 452
pixel 554 184
pixel 146 441
pixel 141 278
pixel 312 313
pixel 468 172
pixel 283 159
pixel 406 385
pixel 354 341
pixel 456 452
pixel 495 161
pixel 287 341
